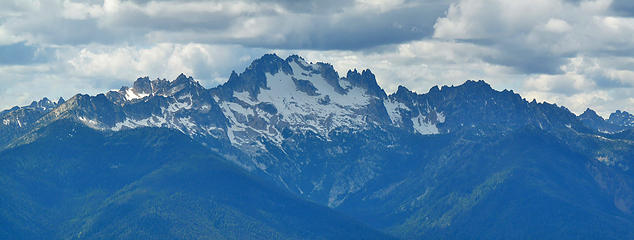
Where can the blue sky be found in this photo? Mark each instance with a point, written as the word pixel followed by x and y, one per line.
pixel 571 52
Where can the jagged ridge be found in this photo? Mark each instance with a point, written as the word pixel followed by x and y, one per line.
pixel 274 95
pixel 343 142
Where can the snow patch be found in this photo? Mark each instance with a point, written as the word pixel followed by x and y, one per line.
pixel 393 109
pixel 90 122
pixel 605 160
pixel 174 107
pixel 153 121
pixel 244 96
pixel 440 117
pixel 130 94
pixel 300 109
pixel 186 96
pixel 188 124
pixel 294 109
pixel 424 126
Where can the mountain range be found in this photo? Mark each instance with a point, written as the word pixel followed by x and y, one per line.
pixel 291 149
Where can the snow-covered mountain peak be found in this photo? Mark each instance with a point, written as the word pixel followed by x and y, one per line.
pixel 141 88
pixel 254 108
pixel 291 94
pixel 44 104
pixel 621 118
pixel 275 103
pixel 274 98
pixel 144 87
pixel 365 80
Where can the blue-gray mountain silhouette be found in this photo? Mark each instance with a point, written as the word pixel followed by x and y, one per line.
pixel 457 162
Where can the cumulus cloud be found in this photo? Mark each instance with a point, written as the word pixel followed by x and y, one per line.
pixel 528 34
pixel 623 7
pixel 565 50
pixel 577 53
pixel 210 64
pixel 271 24
pixel 419 65
pixel 22 54
pixel 97 68
pixel 586 82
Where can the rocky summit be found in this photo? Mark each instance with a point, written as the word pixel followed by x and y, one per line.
pixel 457 162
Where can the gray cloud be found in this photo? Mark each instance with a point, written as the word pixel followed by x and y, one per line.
pixel 269 24
pixel 300 6
pixel 579 53
pixel 21 54
pixel 350 32
pixel 623 7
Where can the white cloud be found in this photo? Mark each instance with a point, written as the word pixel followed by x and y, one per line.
pixel 575 53
pixel 6 37
pixel 80 11
pixel 478 19
pixel 380 5
pixel 270 24
pixel 586 82
pixel 419 65
pixel 204 62
pixel 557 26
pixel 542 30
pixel 98 68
